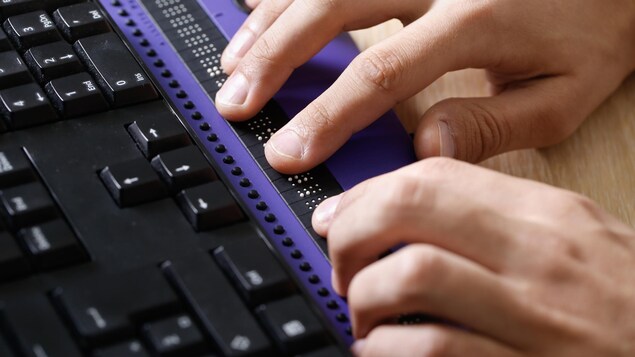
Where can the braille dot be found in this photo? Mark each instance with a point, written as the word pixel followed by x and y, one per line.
pixel 137 33
pixel 174 84
pixel 270 217
pixel 253 194
pixel 349 331
pixel 188 105
pixel 205 126
pixel 287 242
pixel 314 279
pixel 263 206
pixel 159 63
pixel 305 266
pixel 230 160
pixel 197 116
pixel 332 304
pixel 144 43
pixel 278 230
pixel 181 94
pixel 244 182
pixel 166 74
pixel 220 148
pixel 151 53
pixel 123 12
pixel 115 3
pixel 212 137
pixel 341 317
pixel 296 254
pixel 237 171
pixel 130 22
pixel 323 292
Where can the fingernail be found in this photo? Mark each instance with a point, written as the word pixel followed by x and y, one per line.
pixel 239 44
pixel 234 91
pixel 446 141
pixel 358 347
pixel 288 144
pixel 324 212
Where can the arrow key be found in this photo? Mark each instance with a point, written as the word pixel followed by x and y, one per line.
pixel 160 134
pixel 132 182
pixel 52 61
pixel 209 206
pixel 183 168
pixel 76 95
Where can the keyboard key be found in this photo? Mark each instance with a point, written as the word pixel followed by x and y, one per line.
pixel 27 205
pixel 15 168
pixel 25 106
pixel 80 20
pixel 5 44
pixel 103 309
pixel 76 95
pixel 161 134
pixel 36 329
pixel 52 245
pixel 117 72
pixel 255 270
pixel 52 61
pixel 132 348
pixel 16 7
pixel 12 263
pixel 218 307
pixel 13 71
pixel 177 336
pixel 293 324
pixel 183 168
pixel 132 182
pixel 209 206
pixel 31 29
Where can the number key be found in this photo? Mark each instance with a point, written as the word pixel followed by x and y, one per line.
pixel 26 106
pixel 52 61
pixel 31 29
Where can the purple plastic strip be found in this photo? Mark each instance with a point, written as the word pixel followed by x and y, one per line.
pixel 360 159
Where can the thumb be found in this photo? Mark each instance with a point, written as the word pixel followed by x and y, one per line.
pixel 539 113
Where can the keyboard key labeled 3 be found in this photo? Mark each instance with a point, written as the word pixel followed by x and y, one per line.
pixel 117 72
pixel 31 29
pixel 133 182
pixel 209 206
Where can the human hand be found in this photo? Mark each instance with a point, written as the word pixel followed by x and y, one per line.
pixel 550 64
pixel 524 268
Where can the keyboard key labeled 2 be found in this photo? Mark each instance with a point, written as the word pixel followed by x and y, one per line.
pixel 132 182
pixel 117 72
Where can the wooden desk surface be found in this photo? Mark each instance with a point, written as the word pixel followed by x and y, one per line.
pixel 597 161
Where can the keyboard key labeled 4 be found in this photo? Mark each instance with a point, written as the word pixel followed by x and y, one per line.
pixel 25 106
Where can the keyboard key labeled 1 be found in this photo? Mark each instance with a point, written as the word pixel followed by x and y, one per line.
pixel 26 106
pixel 117 72
pixel 133 182
pixel 27 205
pixel 209 206
pixel 293 324
pixel 76 95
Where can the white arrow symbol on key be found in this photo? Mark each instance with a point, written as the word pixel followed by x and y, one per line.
pixel 153 133
pixel 130 181
pixel 202 203
pixel 183 168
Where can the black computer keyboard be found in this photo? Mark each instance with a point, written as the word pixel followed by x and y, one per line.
pixel 118 235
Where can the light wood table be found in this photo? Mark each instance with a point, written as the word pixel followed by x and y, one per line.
pixel 597 161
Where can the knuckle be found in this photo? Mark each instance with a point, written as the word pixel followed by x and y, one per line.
pixel 318 119
pixel 379 69
pixel 493 132
pixel 264 52
pixel 325 6
pixel 420 267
